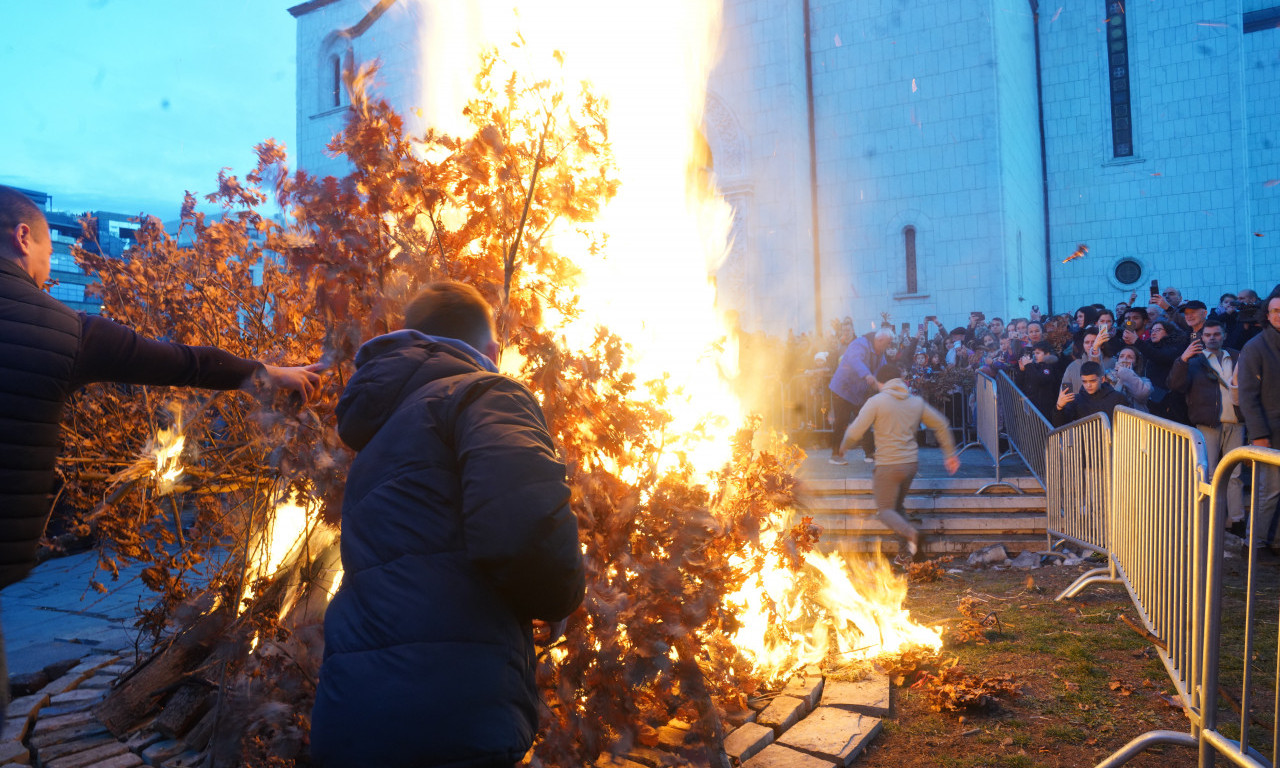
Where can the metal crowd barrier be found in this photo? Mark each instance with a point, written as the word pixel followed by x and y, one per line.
pixel 1159 545
pixel 986 424
pixel 1212 741
pixel 806 403
pixel 1078 493
pixel 1027 429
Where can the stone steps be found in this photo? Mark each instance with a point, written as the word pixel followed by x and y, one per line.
pixel 952 517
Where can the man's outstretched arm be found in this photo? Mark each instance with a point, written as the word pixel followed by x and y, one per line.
pixel 112 352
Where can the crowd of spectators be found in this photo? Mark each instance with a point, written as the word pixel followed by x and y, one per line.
pixel 1174 357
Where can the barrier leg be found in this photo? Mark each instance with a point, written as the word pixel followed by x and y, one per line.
pixel 1148 739
pixel 1096 576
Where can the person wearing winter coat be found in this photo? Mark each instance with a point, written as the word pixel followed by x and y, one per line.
pixel 895 414
pixel 49 352
pixel 853 382
pixel 1165 346
pixel 1038 378
pixel 1096 395
pixel 1205 374
pixel 1258 375
pixel 456 536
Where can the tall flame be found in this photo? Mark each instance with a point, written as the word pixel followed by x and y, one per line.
pixel 668 231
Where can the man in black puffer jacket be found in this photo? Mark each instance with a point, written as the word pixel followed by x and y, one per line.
pixel 47 352
pixel 456 535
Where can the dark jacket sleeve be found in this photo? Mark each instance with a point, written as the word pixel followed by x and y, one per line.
pixel 111 352
pixel 1179 376
pixel 518 527
pixel 1249 376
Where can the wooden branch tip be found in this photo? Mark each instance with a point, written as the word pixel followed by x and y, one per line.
pixel 1154 639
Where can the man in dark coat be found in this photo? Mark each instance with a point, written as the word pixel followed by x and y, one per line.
pixel 48 352
pixel 456 535
pixel 1205 375
pixel 1258 374
pixel 1096 395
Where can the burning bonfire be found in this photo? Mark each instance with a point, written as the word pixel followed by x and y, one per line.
pixel 581 207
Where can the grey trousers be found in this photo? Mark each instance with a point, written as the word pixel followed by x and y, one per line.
pixel 1218 441
pixel 889 485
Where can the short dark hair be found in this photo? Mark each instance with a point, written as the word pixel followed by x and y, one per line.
pixel 1226 296
pixel 1091 368
pixel 16 208
pixel 1138 311
pixel 1214 322
pixel 1044 347
pixel 452 310
pixel 888 371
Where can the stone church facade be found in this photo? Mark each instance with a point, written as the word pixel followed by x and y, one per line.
pixel 930 157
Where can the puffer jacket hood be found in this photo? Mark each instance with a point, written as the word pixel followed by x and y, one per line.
pixel 391 367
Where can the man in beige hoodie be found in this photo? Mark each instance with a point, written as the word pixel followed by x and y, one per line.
pixel 895 414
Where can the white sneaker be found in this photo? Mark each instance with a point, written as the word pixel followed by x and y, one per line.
pixel 839 461
pixel 869 459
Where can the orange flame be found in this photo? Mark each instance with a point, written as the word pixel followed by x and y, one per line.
pixel 655 285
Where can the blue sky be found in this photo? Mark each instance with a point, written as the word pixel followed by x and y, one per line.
pixel 123 104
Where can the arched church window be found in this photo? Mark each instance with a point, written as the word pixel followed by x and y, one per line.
pixel 909 245
pixel 335 80
pixel 1118 77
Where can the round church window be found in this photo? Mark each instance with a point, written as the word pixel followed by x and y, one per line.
pixel 1128 272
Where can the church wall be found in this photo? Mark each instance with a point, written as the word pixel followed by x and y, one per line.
pixel 394 39
pixel 1021 176
pixel 907 136
pixel 758 136
pixel 1178 206
pixel 1262 96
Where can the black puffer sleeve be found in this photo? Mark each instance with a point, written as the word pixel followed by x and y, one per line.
pixel 518 526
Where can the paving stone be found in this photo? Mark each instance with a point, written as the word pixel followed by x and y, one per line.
pixel 777 756
pixel 869 696
pixel 67 682
pixel 14 753
pixel 747 741
pixel 88 757
pixel 55 751
pixel 115 669
pixel 607 760
pixel 143 739
pixel 648 756
pixel 90 664
pixel 26 707
pixel 157 753
pixel 835 734
pixel 91 728
pixel 127 760
pixel 67 709
pixel 60 668
pixel 784 712
pixel 49 724
pixel 27 683
pixel 76 696
pixel 100 682
pixel 672 737
pixel 808 688
pixel 188 759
